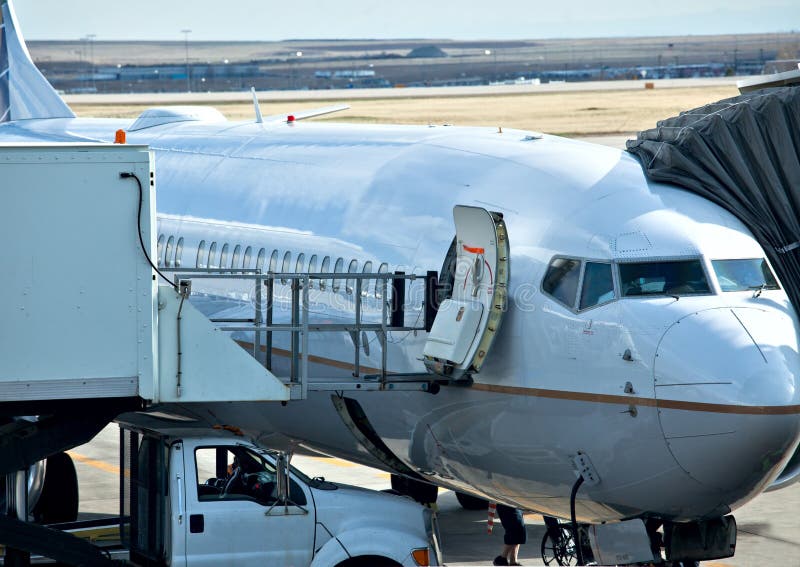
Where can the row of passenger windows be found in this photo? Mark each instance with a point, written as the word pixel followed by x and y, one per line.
pixel 211 255
pixel 171 254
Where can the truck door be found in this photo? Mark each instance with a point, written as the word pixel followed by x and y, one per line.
pixel 233 517
pixel 145 497
pixel 468 320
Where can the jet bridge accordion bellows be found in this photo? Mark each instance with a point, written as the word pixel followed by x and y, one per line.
pixel 742 153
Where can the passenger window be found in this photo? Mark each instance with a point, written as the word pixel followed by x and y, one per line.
pixel 367 269
pixel 237 255
pixel 382 269
pixel 235 473
pixel 337 269
pixel 561 280
pixel 160 250
pixel 312 268
pixel 273 261
pixel 287 265
pixel 324 269
pixel 301 263
pixel 598 285
pixel 212 255
pixel 179 253
pixel 262 257
pixel 351 269
pixel 168 252
pixel 248 257
pixel 223 257
pixel 200 262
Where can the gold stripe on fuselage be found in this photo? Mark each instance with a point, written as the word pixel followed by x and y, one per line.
pixel 573 396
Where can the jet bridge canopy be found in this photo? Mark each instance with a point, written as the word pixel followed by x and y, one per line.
pixel 742 153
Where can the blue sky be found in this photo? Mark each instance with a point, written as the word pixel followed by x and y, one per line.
pixel 463 19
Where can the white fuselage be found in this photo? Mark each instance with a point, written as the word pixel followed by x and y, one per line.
pixel 687 406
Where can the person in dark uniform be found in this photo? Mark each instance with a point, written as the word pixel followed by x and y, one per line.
pixel 515 535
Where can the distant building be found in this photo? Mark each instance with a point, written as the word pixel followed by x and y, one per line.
pixel 426 51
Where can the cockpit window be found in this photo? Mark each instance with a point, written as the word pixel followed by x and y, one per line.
pixel 598 285
pixel 742 275
pixel 561 280
pixel 684 277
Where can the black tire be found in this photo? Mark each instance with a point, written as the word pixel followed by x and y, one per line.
pixel 58 502
pixel 469 502
pixel 369 561
pixel 422 492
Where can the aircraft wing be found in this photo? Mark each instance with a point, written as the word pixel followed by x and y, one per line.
pixel 303 114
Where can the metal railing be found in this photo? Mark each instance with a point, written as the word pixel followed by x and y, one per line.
pixel 262 325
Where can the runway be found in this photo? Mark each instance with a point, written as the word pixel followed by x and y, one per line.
pixel 768 526
pixel 392 93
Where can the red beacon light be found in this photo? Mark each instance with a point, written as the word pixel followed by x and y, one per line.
pixel 290 119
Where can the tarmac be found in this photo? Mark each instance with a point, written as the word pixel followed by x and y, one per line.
pixel 768 526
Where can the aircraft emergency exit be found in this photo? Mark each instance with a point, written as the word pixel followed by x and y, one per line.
pixel 589 317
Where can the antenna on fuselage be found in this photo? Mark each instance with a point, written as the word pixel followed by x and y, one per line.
pixel 259 119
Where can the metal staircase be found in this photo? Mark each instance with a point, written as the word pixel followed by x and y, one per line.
pixel 259 326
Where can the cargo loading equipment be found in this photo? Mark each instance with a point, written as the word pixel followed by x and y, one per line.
pixel 88 333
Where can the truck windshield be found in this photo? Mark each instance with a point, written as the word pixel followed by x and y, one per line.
pixel 742 275
pixel 681 277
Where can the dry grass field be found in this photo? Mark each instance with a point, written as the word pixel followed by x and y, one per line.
pixel 567 113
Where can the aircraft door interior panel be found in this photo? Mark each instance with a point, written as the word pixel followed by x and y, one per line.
pixel 468 320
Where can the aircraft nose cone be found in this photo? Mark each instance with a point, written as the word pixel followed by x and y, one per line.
pixel 726 383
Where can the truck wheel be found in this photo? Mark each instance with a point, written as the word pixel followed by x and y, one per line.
pixel 369 561
pixel 469 502
pixel 422 492
pixel 59 499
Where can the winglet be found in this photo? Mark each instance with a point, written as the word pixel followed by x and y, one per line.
pixel 24 92
pixel 259 119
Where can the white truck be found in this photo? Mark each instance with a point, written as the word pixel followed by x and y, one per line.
pixel 205 497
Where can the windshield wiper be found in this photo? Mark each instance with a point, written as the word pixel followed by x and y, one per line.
pixel 757 289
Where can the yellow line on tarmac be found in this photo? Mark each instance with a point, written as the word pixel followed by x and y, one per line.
pixel 101 465
pixel 333 461
pixel 345 464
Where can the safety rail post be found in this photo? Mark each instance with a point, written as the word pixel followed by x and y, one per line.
pixel 431 298
pixel 304 361
pixel 270 283
pixel 357 335
pixel 258 319
pixel 295 352
pixel 384 332
pixel 398 299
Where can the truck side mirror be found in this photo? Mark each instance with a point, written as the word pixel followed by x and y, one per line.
pixel 282 472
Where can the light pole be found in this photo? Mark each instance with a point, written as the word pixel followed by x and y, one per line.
pixel 293 61
pixel 488 52
pixel 186 46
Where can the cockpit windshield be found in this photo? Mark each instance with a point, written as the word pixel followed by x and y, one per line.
pixel 682 277
pixel 743 275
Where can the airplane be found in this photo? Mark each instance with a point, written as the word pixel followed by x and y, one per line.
pixel 644 335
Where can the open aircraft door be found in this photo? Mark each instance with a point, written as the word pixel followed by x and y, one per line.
pixel 468 320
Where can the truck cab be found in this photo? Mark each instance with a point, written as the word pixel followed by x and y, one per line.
pixel 199 498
